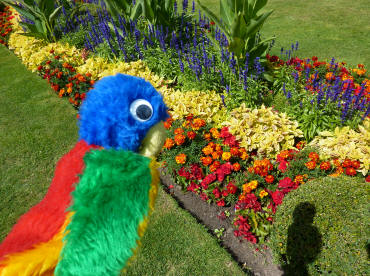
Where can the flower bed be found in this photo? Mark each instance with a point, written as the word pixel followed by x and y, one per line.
pixel 211 163
pixel 223 145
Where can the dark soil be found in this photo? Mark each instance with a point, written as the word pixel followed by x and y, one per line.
pixel 251 258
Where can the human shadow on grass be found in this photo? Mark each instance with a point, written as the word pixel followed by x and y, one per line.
pixel 304 241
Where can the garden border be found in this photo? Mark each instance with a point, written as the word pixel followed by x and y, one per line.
pixel 249 257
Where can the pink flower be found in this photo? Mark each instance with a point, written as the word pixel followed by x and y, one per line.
pixel 216 193
pixel 221 202
pixel 283 166
pixel 277 197
pixel 184 173
pixel 196 171
pixel 208 180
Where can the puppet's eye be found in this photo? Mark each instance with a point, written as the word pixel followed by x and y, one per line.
pixel 141 110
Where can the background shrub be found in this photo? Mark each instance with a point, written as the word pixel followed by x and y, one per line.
pixel 323 227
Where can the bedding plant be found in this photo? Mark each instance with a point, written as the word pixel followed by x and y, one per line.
pixel 211 163
pixel 64 79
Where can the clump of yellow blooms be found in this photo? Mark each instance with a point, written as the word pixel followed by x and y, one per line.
pixel 345 143
pixel 263 130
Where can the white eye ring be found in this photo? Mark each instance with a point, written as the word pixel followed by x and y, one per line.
pixel 141 110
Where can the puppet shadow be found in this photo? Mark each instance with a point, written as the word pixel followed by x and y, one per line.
pixel 304 240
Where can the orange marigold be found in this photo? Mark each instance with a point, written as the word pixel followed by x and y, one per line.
pixel 356 164
pixel 299 179
pixel 269 179
pixel 206 160
pixel 236 167
pixel 263 193
pixel 251 170
pixel 179 139
pixel 226 156
pixel 284 154
pixel 191 135
pixel 169 143
pixel 311 165
pixel 207 136
pixel 243 154
pixel 347 163
pixel 234 151
pixel 215 155
pixel 178 130
pixel 351 171
pixel 314 156
pixel 215 133
pixel 207 150
pixel 214 166
pixel 198 123
pixel 181 158
pixel 325 166
pixel 168 123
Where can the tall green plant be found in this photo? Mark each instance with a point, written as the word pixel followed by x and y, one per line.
pixel 123 7
pixel 158 12
pixel 42 12
pixel 240 21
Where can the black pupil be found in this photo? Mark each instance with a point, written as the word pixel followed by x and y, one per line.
pixel 143 112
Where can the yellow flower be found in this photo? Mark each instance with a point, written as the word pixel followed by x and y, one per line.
pixel 263 193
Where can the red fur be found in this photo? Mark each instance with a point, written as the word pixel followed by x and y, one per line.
pixel 46 218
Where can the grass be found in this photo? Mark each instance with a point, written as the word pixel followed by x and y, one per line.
pixel 36 130
pixel 324 28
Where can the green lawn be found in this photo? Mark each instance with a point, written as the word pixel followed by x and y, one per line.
pixel 323 28
pixel 36 129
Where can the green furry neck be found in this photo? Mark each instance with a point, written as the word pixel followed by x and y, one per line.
pixel 109 203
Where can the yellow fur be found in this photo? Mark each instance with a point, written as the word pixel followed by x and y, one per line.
pixel 152 196
pixel 40 260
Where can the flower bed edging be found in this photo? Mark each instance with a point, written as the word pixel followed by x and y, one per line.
pixel 260 262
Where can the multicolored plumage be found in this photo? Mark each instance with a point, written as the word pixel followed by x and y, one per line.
pixel 95 211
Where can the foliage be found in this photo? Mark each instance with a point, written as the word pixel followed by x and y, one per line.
pixel 345 143
pixel 123 7
pixel 159 13
pixel 241 22
pixel 38 17
pixel 322 228
pixel 263 129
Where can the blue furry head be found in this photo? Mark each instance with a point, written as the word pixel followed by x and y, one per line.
pixel 108 115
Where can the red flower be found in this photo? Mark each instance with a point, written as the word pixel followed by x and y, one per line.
pixel 204 196
pixel 39 67
pixel 311 165
pixel 236 167
pixel 269 179
pixel 221 202
pixel 325 166
pixel 347 163
pixel 208 180
pixel 277 197
pixel 351 171
pixel 283 166
pixel 356 164
pixel 196 171
pixel 192 187
pixel 225 193
pixel 231 188
pixel 184 173
pixel 367 179
pixel 216 193
pixel 223 170
pixel 191 135
pixel 212 23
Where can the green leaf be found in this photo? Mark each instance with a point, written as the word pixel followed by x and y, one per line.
pixel 53 15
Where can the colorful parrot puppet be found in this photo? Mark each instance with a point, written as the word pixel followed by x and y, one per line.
pixel 95 211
